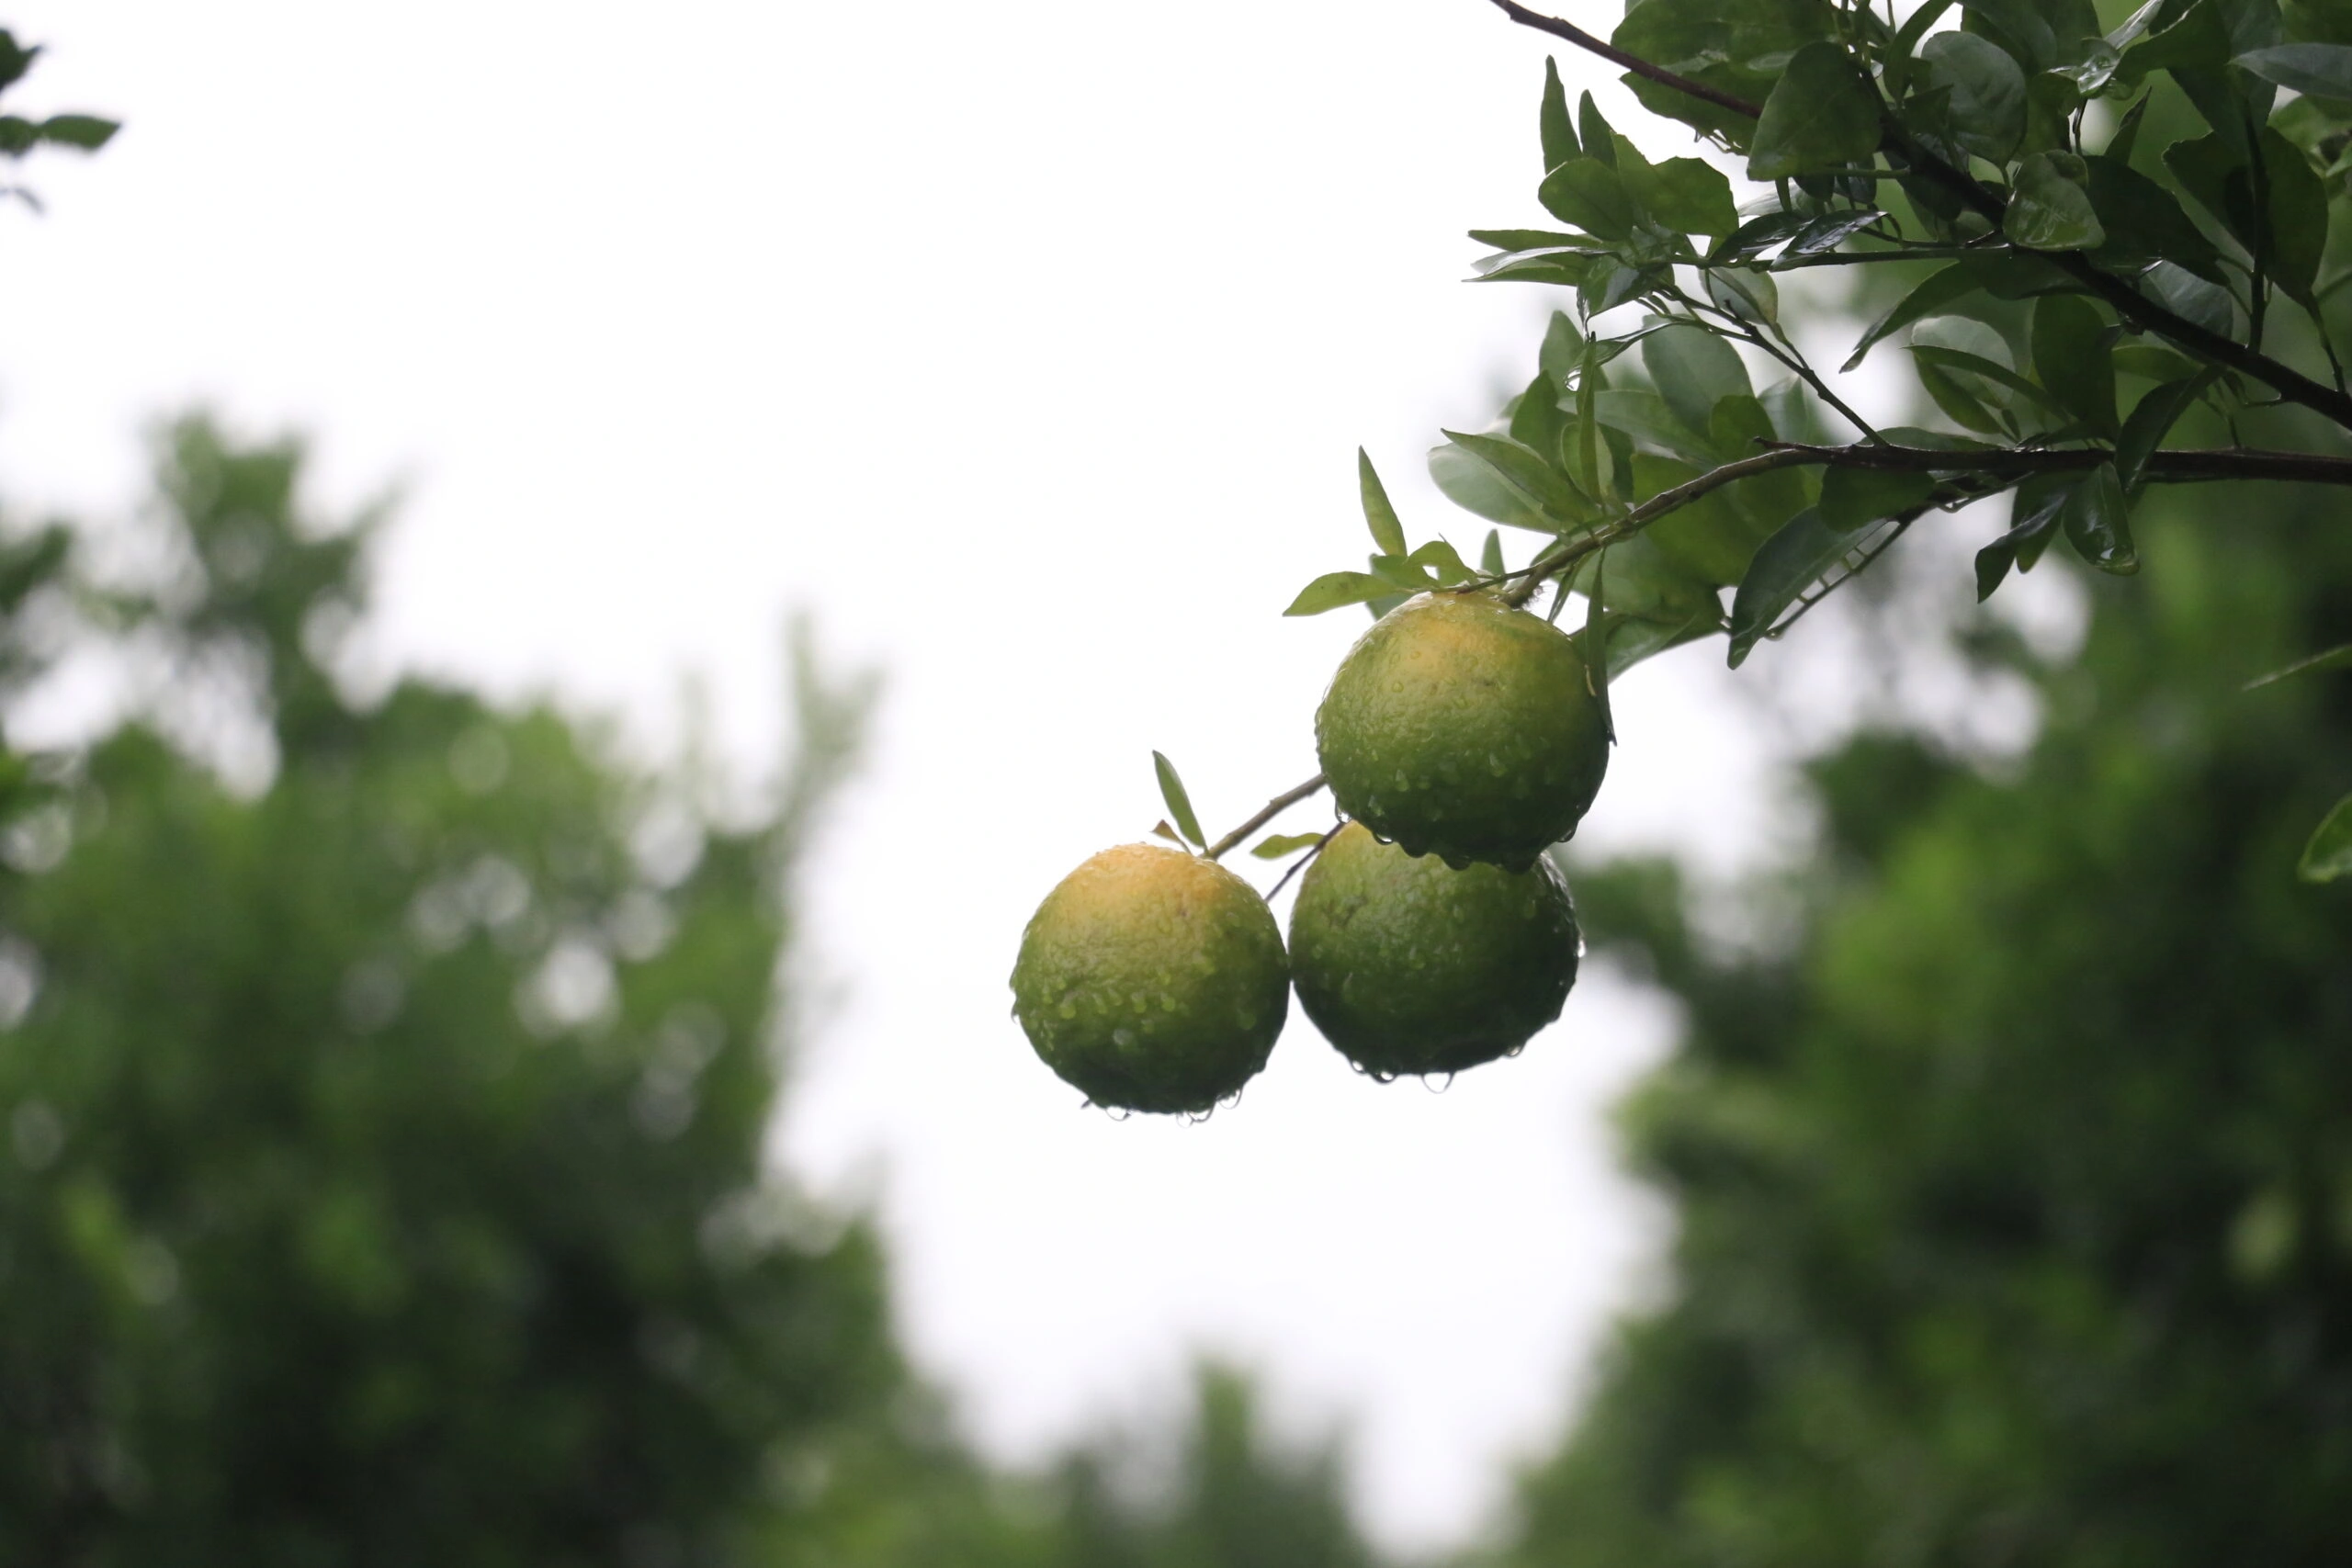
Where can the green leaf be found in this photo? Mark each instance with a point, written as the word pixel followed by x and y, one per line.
pixel 2033 518
pixel 1694 369
pixel 2188 296
pixel 1559 136
pixel 1281 845
pixel 1739 427
pixel 2020 27
pixel 2071 357
pixel 1526 471
pixel 2329 854
pixel 2097 521
pixel 1906 42
pixel 1683 194
pixel 1490 558
pixel 1755 236
pixel 1180 804
pixel 1953 396
pixel 2152 419
pixel 88 132
pixel 1939 289
pixel 1987 103
pixel 1474 484
pixel 2153 362
pixel 1438 558
pixel 1587 193
pixel 1595 644
pixel 2196 38
pixel 1853 499
pixel 1821 114
pixel 1387 531
pixel 1633 638
pixel 2297 216
pixel 1996 379
pixel 1645 416
pixel 2146 223
pixel 1786 565
pixel 1711 540
pixel 1334 588
pixel 1599 140
pixel 2336 658
pixel 2320 69
pixel 1736 48
pixel 1748 296
pixel 1826 234
pixel 15 58
pixel 2050 206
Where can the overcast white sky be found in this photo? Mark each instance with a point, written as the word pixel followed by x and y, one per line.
pixel 1028 345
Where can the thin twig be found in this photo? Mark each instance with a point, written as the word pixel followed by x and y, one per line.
pixel 1300 863
pixel 2191 467
pixel 1271 809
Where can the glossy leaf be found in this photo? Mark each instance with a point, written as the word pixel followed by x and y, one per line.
pixel 2070 358
pixel 2152 419
pixel 1987 103
pixel 1387 531
pixel 1490 557
pixel 2033 520
pixel 2329 853
pixel 2097 522
pixel 2049 208
pixel 1334 588
pixel 2319 70
pixel 1821 114
pixel 1180 804
pixel 2146 223
pixel 1787 564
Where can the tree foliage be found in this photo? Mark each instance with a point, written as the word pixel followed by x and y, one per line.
pixel 2014 1188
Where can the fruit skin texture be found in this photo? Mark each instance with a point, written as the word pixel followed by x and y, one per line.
pixel 1407 966
pixel 1152 980
pixel 1464 728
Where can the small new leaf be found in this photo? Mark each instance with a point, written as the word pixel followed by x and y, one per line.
pixel 1180 804
pixel 1387 531
pixel 1334 588
pixel 1281 844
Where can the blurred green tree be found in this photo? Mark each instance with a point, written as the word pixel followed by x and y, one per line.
pixel 2015 1171
pixel 383 1179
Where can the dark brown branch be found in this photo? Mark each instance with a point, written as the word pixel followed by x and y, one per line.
pixel 1266 814
pixel 1632 62
pixel 2189 467
pixel 2128 303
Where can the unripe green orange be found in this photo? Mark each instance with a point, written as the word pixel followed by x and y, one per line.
pixel 1152 980
pixel 1464 728
pixel 1407 966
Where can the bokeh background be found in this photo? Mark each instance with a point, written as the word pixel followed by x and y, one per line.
pixel 1025 349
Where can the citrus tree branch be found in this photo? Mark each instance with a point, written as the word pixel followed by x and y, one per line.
pixel 1634 63
pixel 1266 814
pixel 2006 465
pixel 2127 301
